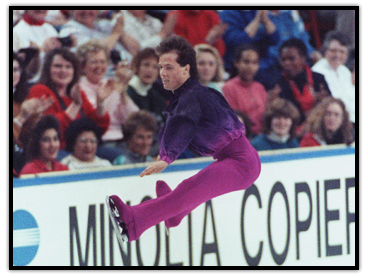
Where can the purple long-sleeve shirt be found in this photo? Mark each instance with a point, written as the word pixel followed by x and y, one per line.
pixel 199 117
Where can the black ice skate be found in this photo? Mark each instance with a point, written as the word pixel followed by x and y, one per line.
pixel 120 230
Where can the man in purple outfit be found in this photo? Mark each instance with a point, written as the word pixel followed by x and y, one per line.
pixel 198 117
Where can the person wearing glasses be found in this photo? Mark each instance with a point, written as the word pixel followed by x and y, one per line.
pixel 82 138
pixel 335 50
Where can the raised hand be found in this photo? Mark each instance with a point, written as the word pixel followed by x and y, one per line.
pixel 169 24
pixel 123 73
pixel 216 33
pixel 33 106
pixel 105 90
pixel 119 25
pixel 50 43
pixel 75 94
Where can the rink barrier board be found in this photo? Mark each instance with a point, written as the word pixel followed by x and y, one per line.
pixel 272 212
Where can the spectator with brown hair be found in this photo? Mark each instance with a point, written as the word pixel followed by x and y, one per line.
pixel 279 127
pixel 328 124
pixel 141 89
pixel 59 80
pixel 23 109
pixel 139 131
pixel 43 147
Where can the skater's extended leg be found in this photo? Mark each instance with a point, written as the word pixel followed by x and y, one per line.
pixel 222 176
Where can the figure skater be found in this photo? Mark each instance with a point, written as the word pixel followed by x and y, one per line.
pixel 198 117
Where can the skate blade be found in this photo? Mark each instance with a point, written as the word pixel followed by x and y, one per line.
pixel 121 238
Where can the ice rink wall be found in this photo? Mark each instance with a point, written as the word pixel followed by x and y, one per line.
pixel 300 212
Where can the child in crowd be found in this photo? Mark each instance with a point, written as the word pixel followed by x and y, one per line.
pixel 279 128
pixel 139 131
pixel 242 92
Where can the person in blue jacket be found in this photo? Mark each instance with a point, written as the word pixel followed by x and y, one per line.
pixel 248 27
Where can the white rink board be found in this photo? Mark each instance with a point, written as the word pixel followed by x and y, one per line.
pixel 234 236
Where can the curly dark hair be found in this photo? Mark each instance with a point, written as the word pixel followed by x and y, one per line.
pixel 79 126
pixel 295 43
pixel 39 126
pixel 186 53
pixel 21 90
pixel 45 77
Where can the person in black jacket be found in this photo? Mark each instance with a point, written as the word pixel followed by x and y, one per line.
pixel 298 84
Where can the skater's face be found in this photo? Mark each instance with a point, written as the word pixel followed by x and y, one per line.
pixel 61 71
pixel 49 145
pixel 141 142
pixel 336 54
pixel 172 74
pixel 96 66
pixel 207 66
pixel 281 125
pixel 86 146
pixel 292 62
pixel 148 70
pixel 248 65
pixel 333 118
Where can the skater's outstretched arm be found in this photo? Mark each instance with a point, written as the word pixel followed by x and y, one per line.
pixel 154 167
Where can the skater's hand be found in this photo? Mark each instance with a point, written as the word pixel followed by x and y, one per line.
pixel 154 167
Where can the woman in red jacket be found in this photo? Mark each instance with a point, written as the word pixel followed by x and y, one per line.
pixel 327 124
pixel 43 147
pixel 59 80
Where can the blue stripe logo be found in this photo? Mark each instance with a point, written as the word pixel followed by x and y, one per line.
pixel 26 238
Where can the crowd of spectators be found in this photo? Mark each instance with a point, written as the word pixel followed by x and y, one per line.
pixel 87 92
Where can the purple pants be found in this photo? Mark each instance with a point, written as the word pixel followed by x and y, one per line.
pixel 237 167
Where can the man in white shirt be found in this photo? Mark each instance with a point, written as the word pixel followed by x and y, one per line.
pixel 337 75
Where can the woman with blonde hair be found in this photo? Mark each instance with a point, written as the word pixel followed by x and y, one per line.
pixel 210 66
pixel 94 58
pixel 328 124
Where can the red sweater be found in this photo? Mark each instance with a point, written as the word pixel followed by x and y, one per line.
pixel 39 90
pixel 194 27
pixel 38 166
pixel 309 139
